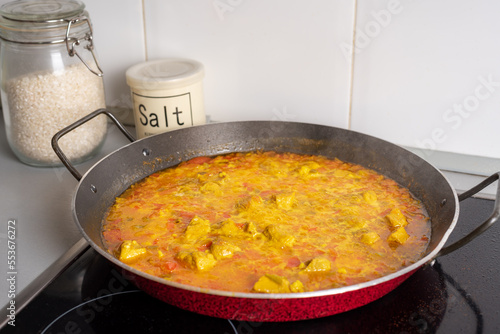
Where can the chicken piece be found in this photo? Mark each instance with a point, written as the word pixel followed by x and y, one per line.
pixel 197 260
pixel 342 173
pixel 223 249
pixel 351 210
pixel 356 222
pixel 399 236
pixel 212 188
pixel 370 197
pixel 297 286
pixel 131 251
pixel 318 265
pixel 198 227
pixel 273 233
pixel 305 169
pixel 253 203
pixel 396 218
pixel 272 284
pixel 203 177
pixel 223 178
pixel 228 228
pixel 285 201
pixel 251 229
pixel 275 168
pixel 370 238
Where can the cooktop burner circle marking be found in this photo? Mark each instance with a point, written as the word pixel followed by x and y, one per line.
pixel 233 326
pixel 101 297
pixel 81 304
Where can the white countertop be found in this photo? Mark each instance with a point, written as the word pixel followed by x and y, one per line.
pixel 39 200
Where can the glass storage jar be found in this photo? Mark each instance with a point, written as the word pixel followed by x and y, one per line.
pixel 50 77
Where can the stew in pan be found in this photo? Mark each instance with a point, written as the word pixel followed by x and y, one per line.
pixel 267 222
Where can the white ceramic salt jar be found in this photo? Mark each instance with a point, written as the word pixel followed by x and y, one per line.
pixel 167 94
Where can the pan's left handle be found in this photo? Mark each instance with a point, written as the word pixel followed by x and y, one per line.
pixel 71 127
pixel 494 216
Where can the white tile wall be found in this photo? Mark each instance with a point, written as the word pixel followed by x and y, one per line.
pixel 425 73
pixel 264 59
pixel 119 38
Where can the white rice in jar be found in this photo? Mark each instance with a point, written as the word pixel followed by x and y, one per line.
pixel 41 104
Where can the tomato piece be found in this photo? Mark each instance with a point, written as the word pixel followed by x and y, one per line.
pixel 186 215
pixel 203 247
pixel 168 265
pixel 112 236
pixel 385 213
pixel 267 193
pixel 333 254
pixel 293 262
pixel 158 206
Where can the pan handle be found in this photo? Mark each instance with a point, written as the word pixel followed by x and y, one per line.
pixel 486 224
pixel 71 127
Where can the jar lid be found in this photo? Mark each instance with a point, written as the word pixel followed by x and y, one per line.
pixel 41 10
pixel 164 74
pixel 42 21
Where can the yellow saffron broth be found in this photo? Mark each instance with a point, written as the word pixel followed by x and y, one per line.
pixel 267 222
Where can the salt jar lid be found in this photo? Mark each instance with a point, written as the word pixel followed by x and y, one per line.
pixel 41 10
pixel 165 74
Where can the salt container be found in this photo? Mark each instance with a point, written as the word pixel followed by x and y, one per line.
pixel 167 95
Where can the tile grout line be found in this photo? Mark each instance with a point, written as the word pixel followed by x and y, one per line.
pixel 351 81
pixel 144 29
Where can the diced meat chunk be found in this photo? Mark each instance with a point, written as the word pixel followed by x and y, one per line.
pixel 251 229
pixel 198 227
pixel 307 168
pixel 370 197
pixel 318 264
pixel 370 238
pixel 197 260
pixel 342 173
pixel 277 284
pixel 211 187
pixel 396 218
pixel 252 203
pixel 285 201
pixel 223 249
pixel 272 284
pixel 297 286
pixel 273 233
pixel 228 228
pixel 131 251
pixel 356 222
pixel 399 236
pixel 274 168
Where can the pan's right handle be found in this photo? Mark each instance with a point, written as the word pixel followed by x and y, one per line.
pixel 71 127
pixel 495 215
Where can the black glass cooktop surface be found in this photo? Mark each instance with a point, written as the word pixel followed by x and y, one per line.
pixel 459 293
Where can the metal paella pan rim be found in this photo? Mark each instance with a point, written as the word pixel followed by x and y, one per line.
pixel 261 124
